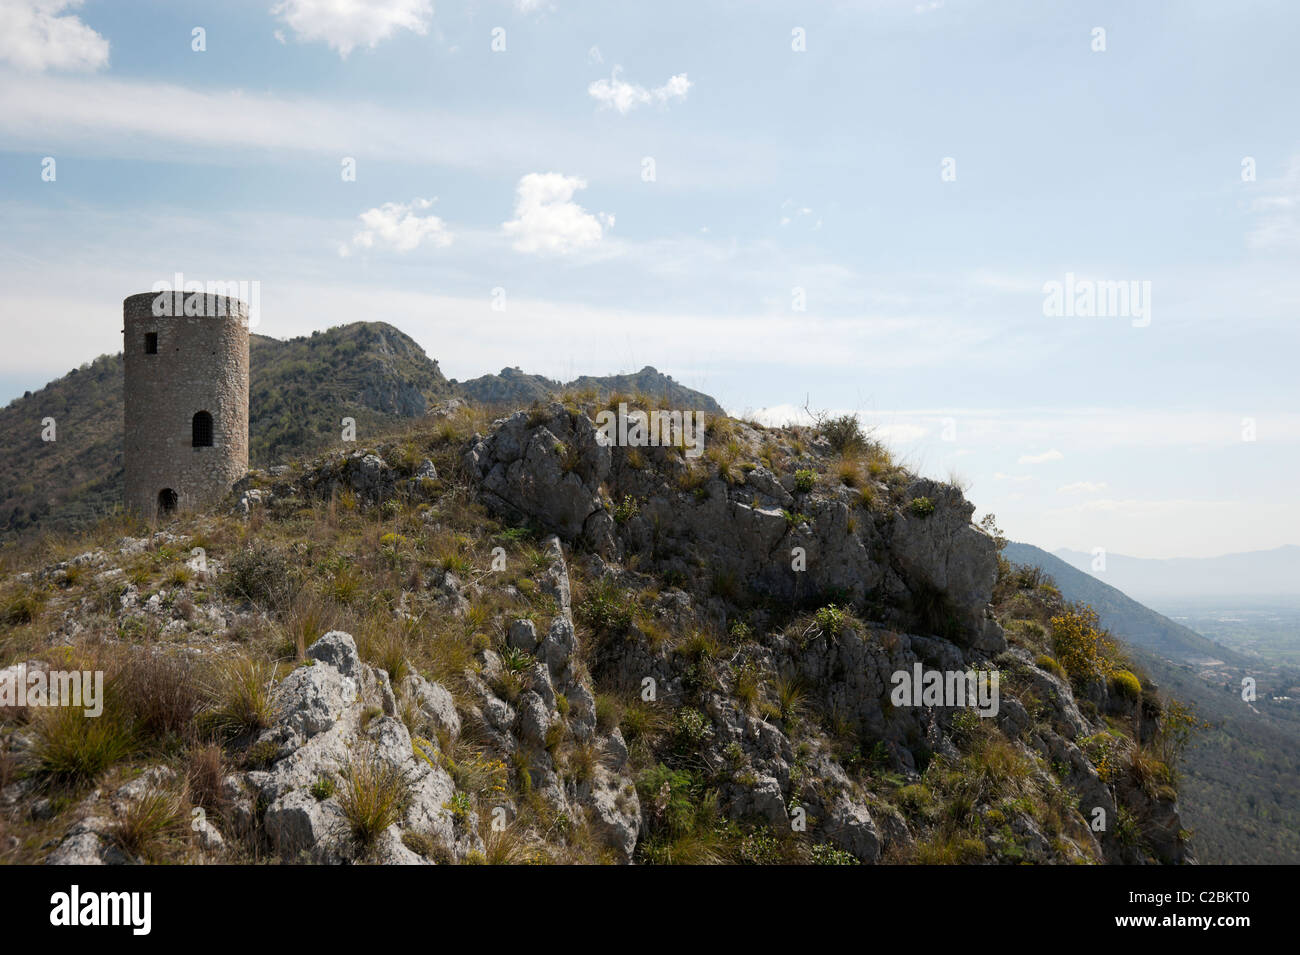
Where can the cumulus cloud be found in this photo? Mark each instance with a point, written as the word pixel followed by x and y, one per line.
pixel 1082 487
pixel 40 35
pixel 616 93
pixel 548 220
pixel 347 24
pixel 1052 455
pixel 397 226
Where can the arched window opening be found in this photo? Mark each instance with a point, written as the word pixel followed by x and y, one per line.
pixel 167 501
pixel 202 430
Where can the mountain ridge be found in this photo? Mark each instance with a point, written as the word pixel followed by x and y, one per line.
pixel 1270 572
pixel 300 391
pixel 513 386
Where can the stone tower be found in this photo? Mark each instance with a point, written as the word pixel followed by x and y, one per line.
pixel 185 433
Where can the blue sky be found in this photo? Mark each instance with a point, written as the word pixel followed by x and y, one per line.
pixel 774 169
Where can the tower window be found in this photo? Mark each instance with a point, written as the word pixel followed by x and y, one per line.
pixel 202 430
pixel 151 343
pixel 167 501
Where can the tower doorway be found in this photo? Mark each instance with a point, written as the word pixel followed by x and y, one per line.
pixel 167 501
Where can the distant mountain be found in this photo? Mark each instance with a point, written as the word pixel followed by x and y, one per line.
pixel 1257 573
pixel 515 387
pixel 511 386
pixel 1125 617
pixel 300 390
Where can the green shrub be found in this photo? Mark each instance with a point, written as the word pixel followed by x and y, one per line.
pixel 1124 684
pixel 830 620
pixel 1080 644
pixel 261 575
pixel 921 506
pixel 823 853
pixel 323 788
pixel 804 480
pixel 606 608
pixel 844 433
pixel 627 510
pixel 1044 662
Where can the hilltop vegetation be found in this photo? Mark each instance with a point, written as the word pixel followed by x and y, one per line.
pixel 437 648
pixel 300 391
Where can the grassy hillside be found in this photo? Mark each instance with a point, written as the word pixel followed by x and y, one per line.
pixel 301 389
pixel 1241 781
pixel 1241 787
pixel 514 667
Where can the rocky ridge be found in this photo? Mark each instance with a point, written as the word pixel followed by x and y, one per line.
pixel 714 684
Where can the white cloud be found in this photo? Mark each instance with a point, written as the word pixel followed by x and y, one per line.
pixel 396 225
pixel 40 35
pixel 548 220
pixel 594 56
pixel 615 93
pixel 347 24
pixel 1082 487
pixel 1052 455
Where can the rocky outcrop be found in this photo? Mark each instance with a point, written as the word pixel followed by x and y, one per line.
pixel 334 715
pixel 549 725
pixel 756 531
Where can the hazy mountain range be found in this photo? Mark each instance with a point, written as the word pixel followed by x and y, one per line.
pixel 1133 622
pixel 1261 573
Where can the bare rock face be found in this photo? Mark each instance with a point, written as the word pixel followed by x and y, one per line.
pixel 524 729
pixel 327 727
pixel 753 531
pixel 547 469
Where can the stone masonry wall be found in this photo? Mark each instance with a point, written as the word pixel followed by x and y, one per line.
pixel 201 365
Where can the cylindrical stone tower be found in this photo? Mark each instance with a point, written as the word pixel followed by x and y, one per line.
pixel 185 433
